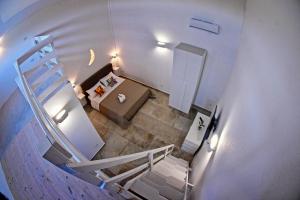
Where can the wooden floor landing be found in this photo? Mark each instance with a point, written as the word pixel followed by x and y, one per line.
pixel 31 177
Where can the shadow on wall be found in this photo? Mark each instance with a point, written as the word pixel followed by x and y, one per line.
pixel 74 37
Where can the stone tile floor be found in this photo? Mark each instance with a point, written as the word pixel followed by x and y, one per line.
pixel 154 125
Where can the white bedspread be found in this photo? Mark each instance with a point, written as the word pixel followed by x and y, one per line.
pixel 95 102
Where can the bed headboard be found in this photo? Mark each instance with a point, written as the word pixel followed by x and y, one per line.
pixel 91 81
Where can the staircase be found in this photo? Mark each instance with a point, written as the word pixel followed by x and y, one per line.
pixel 166 181
pixel 44 77
pixel 158 176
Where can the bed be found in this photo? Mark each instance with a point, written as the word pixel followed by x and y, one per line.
pixel 108 104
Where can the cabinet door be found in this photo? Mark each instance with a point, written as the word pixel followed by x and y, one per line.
pixel 194 67
pixel 178 79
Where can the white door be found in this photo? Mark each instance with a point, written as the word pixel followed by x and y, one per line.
pixel 178 79
pixel 193 70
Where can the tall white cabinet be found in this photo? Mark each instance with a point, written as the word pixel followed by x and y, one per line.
pixel 188 63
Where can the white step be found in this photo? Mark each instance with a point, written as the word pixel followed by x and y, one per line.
pixel 175 165
pixel 31 77
pixel 176 184
pixel 146 191
pixel 180 161
pixel 166 169
pixel 52 90
pixel 164 189
pixel 47 74
pixel 41 62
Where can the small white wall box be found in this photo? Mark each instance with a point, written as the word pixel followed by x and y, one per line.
pixel 205 25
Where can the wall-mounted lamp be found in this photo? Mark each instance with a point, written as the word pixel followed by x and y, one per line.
pixel 73 84
pixel 61 116
pixel 213 143
pixel 115 63
pixel 114 56
pixel 161 44
pixel 92 57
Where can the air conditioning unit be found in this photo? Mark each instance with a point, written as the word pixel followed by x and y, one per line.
pixel 205 25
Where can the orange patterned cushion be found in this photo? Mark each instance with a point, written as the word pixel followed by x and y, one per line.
pixel 100 90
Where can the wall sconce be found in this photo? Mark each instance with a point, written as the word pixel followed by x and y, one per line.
pixel 161 44
pixel 92 57
pixel 72 84
pixel 61 116
pixel 115 64
pixel 114 56
pixel 213 143
pixel 77 89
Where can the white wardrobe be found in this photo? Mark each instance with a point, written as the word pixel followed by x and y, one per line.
pixel 188 63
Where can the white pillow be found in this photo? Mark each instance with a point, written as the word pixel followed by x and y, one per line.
pixel 91 91
pixel 108 76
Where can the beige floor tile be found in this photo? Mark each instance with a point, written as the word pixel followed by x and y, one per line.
pixel 165 115
pixel 113 146
pixel 139 136
pixel 183 123
pixel 154 125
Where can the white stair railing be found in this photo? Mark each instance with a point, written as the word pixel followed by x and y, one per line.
pixel 91 167
pixel 187 184
pixel 52 132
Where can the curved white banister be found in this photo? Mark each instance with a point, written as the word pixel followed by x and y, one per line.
pixel 49 127
pixel 114 161
pixel 92 167
pixel 46 122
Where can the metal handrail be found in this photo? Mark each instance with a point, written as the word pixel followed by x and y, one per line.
pixel 91 167
pixel 112 162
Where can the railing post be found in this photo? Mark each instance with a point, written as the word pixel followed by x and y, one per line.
pixel 166 152
pixel 150 157
pixel 172 148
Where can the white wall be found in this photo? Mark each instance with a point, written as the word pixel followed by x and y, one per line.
pixel 10 8
pixel 4 188
pixel 76 25
pixel 139 23
pixel 258 154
